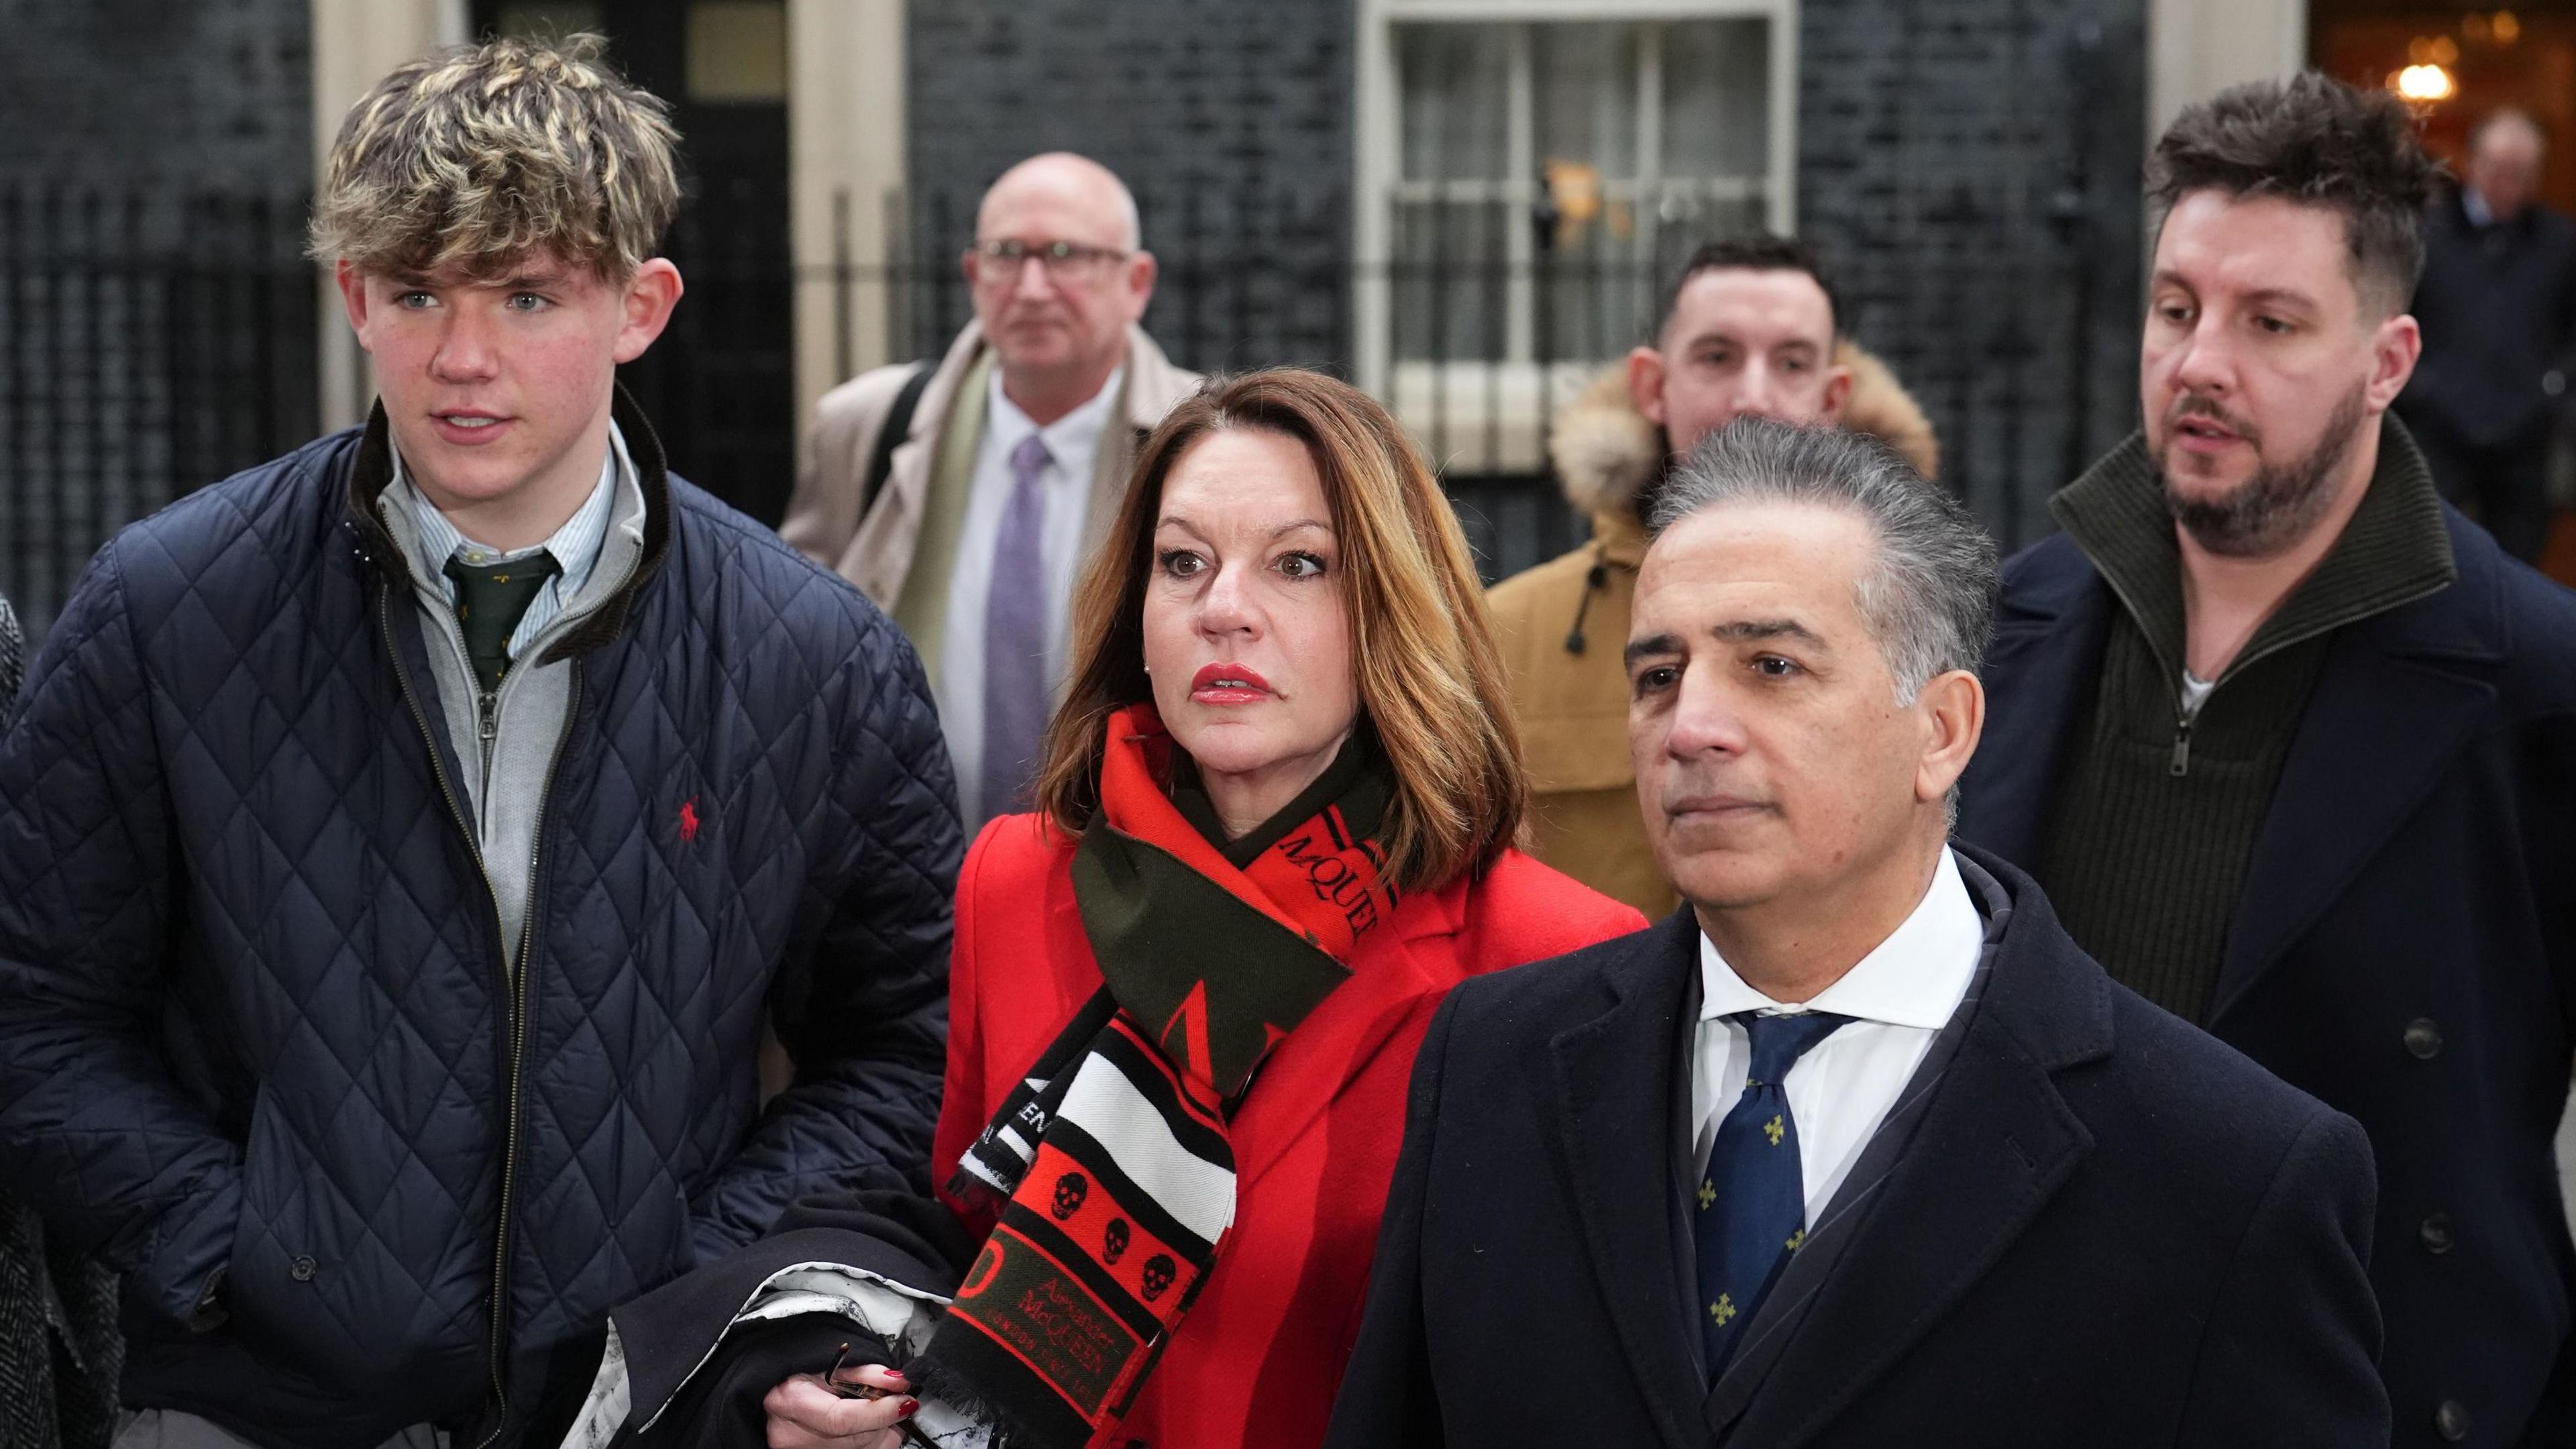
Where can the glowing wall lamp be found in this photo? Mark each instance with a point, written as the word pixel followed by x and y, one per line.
pixel 2424 84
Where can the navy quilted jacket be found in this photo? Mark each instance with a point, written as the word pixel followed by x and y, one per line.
pixel 253 1011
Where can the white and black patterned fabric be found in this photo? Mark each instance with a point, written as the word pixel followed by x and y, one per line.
pixel 13 658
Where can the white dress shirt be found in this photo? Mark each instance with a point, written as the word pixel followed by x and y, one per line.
pixel 1899 997
pixel 1071 443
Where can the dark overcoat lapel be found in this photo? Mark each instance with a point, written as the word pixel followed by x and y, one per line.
pixel 1614 1134
pixel 1996 1142
pixel 2400 695
pixel 2048 641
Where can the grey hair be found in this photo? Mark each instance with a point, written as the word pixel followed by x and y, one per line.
pixel 1930 602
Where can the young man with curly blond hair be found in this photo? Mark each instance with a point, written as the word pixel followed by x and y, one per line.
pixel 406 844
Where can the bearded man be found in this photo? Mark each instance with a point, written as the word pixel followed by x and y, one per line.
pixel 2291 744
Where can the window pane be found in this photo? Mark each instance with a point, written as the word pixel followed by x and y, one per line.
pixel 1450 279
pixel 1604 234
pixel 1455 80
pixel 1717 98
pixel 1594 288
pixel 1584 88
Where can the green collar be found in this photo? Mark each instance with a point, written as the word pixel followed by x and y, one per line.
pixel 2394 551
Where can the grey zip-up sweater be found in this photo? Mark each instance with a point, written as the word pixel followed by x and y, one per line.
pixel 505 781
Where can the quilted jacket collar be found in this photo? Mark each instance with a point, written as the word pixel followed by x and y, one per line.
pixel 373 472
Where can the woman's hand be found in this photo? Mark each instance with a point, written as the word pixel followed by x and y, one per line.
pixel 803 1414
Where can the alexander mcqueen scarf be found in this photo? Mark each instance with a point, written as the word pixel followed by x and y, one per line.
pixel 1113 1153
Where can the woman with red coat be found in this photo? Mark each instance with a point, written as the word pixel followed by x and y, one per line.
pixel 1274 826
pixel 1277 809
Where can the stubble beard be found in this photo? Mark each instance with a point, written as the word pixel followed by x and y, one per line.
pixel 2275 508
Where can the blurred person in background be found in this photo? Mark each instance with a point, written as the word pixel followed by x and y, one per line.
pixel 1275 829
pixel 1750 329
pixel 963 497
pixel 2498 308
pixel 2292 744
pixel 58 1346
pixel 405 844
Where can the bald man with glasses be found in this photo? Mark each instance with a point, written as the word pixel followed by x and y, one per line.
pixel 962 496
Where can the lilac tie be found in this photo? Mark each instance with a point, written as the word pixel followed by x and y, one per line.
pixel 1015 677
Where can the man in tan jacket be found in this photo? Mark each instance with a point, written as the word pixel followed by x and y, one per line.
pixel 1008 468
pixel 1750 329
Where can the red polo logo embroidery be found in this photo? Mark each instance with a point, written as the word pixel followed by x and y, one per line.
pixel 689 820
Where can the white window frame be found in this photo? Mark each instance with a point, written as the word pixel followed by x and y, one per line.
pixel 1461 400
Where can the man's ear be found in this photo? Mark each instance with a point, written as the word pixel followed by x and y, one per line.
pixel 1646 383
pixel 353 298
pixel 1954 715
pixel 1141 270
pixel 2395 346
pixel 649 297
pixel 1838 390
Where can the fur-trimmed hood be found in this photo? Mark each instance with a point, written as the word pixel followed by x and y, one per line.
pixel 1605 451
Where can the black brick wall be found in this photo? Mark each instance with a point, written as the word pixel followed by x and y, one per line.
pixel 1971 168
pixel 156 316
pixel 1230 119
pixel 206 94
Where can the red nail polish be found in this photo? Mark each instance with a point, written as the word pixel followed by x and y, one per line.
pixel 897 1375
pixel 910 1407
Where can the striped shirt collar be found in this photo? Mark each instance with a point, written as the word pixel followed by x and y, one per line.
pixel 575 546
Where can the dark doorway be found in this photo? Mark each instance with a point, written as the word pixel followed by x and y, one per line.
pixel 2456 67
pixel 720 384
pixel 2465 64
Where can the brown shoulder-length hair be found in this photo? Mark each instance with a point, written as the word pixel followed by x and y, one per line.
pixel 1430 679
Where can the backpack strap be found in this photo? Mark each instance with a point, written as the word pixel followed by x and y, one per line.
pixel 891 433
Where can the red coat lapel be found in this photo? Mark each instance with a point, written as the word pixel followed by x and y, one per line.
pixel 1401 973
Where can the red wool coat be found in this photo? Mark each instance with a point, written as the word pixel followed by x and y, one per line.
pixel 1257 1360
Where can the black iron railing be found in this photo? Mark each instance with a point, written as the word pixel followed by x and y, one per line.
pixel 148 345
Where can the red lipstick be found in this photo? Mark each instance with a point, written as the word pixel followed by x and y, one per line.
pixel 1228 683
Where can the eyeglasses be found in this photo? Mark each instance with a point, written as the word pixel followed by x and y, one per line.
pixel 1064 261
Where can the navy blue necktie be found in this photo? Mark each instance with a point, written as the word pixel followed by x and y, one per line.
pixel 1749 1212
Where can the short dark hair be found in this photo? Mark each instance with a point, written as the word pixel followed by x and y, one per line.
pixel 1757 252
pixel 2316 141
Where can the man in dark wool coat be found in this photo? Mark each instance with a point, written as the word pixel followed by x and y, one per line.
pixel 1857 1148
pixel 2292 744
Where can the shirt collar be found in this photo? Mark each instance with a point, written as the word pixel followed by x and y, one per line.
pixel 575 546
pixel 2479 213
pixel 1068 438
pixel 1913 978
